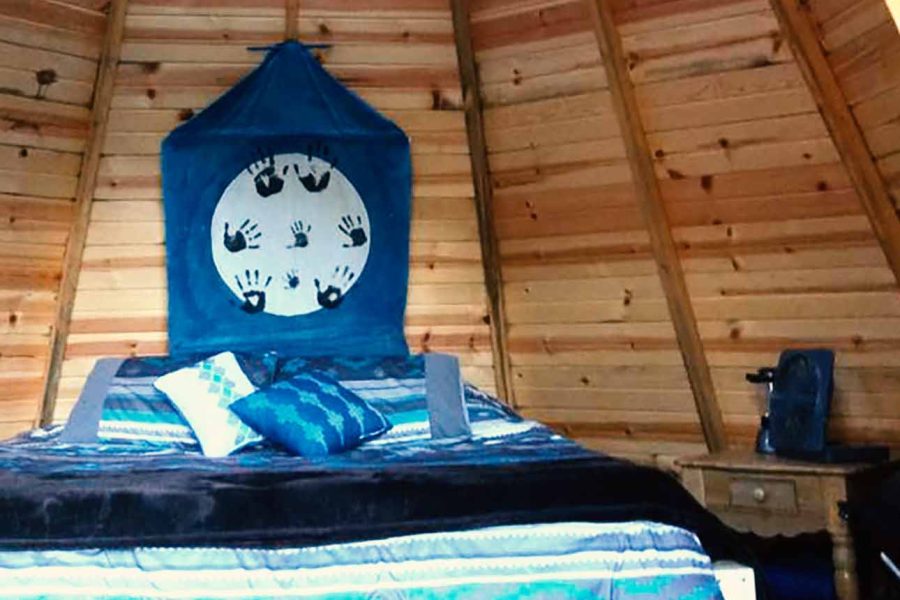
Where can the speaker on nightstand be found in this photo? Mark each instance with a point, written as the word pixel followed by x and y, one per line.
pixel 799 399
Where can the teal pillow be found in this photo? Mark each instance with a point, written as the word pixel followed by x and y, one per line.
pixel 311 414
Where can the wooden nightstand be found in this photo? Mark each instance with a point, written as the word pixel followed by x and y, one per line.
pixel 771 496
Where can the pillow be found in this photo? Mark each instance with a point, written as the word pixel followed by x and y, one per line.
pixel 119 403
pixel 447 414
pixel 422 396
pixel 202 393
pixel 395 386
pixel 311 415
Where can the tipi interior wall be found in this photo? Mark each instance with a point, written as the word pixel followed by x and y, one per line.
pixel 776 247
pixel 176 58
pixel 48 63
pixel 864 53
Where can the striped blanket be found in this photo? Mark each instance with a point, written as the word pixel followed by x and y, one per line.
pixel 561 560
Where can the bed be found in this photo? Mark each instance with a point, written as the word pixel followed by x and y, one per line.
pixel 514 510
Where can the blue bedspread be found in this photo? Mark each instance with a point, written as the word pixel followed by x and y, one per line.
pixel 562 560
pixel 515 511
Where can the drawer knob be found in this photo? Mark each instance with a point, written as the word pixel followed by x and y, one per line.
pixel 759 494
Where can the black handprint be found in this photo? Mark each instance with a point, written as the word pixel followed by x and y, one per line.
pixel 301 234
pixel 243 237
pixel 356 233
pixel 312 181
pixel 333 295
pixel 268 183
pixel 291 279
pixel 254 294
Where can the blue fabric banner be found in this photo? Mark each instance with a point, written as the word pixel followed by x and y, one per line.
pixel 287 206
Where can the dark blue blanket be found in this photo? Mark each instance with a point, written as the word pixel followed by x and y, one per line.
pixel 55 497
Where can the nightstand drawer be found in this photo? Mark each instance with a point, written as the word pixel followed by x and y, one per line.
pixel 749 492
pixel 771 494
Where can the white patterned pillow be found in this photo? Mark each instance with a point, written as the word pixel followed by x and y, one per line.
pixel 203 392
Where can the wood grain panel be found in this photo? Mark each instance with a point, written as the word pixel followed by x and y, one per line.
pixel 862 43
pixel 794 205
pixel 567 218
pixel 775 245
pixel 48 63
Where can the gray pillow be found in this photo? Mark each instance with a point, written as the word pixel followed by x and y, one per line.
pixel 444 394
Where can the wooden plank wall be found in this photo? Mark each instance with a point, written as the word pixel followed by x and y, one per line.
pixel 592 347
pixel 776 248
pixel 48 64
pixel 178 55
pixel 863 48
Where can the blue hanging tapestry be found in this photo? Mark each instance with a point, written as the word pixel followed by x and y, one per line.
pixel 287 205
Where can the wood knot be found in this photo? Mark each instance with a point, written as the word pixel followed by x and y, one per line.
pixel 440 102
pixel 706 182
pixel 45 77
pixel 777 42
pixel 633 60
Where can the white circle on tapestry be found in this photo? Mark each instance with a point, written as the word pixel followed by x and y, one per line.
pixel 290 234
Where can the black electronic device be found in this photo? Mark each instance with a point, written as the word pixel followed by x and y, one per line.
pixel 799 394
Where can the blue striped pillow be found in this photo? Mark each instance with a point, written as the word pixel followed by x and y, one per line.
pixel 311 414
pixel 135 411
pixel 395 386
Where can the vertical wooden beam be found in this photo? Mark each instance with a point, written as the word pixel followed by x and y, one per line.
pixel 798 25
pixel 490 256
pixel 291 19
pixel 84 195
pixel 657 223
